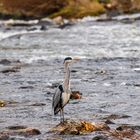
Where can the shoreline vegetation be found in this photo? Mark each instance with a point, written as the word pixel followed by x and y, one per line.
pixel 68 9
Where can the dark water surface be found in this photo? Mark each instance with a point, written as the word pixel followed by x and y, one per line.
pixel 108 74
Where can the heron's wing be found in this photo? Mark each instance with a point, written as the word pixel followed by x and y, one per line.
pixel 56 103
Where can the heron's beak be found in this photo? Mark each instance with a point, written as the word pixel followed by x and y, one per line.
pixel 75 59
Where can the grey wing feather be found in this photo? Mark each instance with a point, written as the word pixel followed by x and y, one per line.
pixel 56 98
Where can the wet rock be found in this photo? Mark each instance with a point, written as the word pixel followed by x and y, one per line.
pixel 2 103
pixel 100 137
pixel 48 93
pixel 5 62
pixel 7 103
pixel 43 28
pixel 58 20
pixel 76 95
pixel 66 25
pixel 123 132
pixel 31 131
pixel 12 102
pixel 26 87
pixel 21 130
pixel 16 127
pixel 4 136
pixel 135 127
pixel 115 116
pixel 101 72
pixel 137 85
pixel 71 127
pixel 38 104
pixel 10 70
pixel 73 71
pixel 109 122
pixel 125 126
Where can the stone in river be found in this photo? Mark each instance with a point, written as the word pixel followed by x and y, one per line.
pixel 76 95
pixel 71 127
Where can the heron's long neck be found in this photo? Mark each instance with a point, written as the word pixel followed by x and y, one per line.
pixel 66 80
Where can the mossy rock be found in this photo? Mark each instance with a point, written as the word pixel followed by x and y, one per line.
pixel 2 103
pixel 71 127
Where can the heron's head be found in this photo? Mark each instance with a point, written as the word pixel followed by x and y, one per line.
pixel 69 60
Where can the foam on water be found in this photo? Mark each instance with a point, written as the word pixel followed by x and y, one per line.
pixel 96 40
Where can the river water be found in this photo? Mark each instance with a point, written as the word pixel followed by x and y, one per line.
pixel 107 75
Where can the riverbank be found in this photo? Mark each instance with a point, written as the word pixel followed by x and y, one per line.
pixel 68 9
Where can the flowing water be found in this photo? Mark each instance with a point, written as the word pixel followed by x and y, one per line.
pixel 107 75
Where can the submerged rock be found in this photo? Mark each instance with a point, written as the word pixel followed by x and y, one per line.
pixel 122 132
pixel 71 127
pixel 16 127
pixel 10 70
pixel 116 116
pixel 100 137
pixel 20 130
pixel 4 136
pixel 26 87
pixel 5 62
pixel 38 104
pixel 109 122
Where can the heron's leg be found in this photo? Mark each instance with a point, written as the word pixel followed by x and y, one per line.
pixel 63 114
pixel 60 115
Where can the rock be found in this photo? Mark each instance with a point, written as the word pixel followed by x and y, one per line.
pixel 109 122
pixel 43 28
pixel 76 95
pixel 101 72
pixel 16 127
pixel 115 116
pixel 26 87
pixel 73 71
pixel 7 103
pixel 38 104
pixel 10 70
pixel 31 131
pixel 71 127
pixel 127 126
pixel 58 20
pixel 65 25
pixel 100 137
pixel 4 136
pixel 122 132
pixel 135 127
pixel 2 103
pixel 5 62
pixel 21 130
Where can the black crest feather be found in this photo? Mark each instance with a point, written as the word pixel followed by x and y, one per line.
pixel 67 58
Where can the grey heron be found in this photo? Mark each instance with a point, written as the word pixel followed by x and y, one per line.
pixel 63 92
